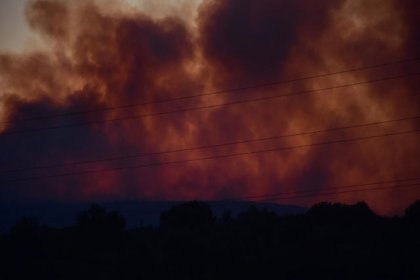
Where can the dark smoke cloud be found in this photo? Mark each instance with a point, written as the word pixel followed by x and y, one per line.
pixel 50 18
pixel 254 39
pixel 95 58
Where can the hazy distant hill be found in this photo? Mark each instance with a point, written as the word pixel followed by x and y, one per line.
pixel 137 213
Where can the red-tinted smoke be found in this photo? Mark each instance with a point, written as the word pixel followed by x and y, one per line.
pixel 94 58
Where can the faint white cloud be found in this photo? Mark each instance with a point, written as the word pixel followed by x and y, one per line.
pixel 14 31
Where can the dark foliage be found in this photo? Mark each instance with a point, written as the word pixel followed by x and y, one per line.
pixel 188 216
pixel 413 212
pixel 330 241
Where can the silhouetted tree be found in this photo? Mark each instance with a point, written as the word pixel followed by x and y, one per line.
pixel 412 212
pixel 26 236
pixel 27 244
pixel 187 216
pixel 25 228
pixel 333 213
pixel 226 218
pixel 98 230
pixel 330 241
pixel 97 219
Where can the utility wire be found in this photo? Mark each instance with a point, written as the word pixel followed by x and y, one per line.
pixel 280 194
pixel 75 163
pixel 221 91
pixel 341 192
pixel 213 157
pixel 301 194
pixel 304 92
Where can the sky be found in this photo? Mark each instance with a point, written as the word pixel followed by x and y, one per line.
pixel 16 36
pixel 209 100
pixel 14 32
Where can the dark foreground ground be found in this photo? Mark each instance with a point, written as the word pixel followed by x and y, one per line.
pixel 329 241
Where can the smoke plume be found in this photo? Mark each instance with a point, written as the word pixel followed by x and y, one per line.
pixel 116 63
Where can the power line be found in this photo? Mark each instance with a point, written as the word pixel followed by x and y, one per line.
pixel 213 157
pixel 301 194
pixel 329 188
pixel 341 192
pixel 221 91
pixel 211 106
pixel 211 146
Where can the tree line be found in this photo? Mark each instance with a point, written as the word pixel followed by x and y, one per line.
pixel 329 241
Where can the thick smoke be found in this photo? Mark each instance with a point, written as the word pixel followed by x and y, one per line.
pixel 96 57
